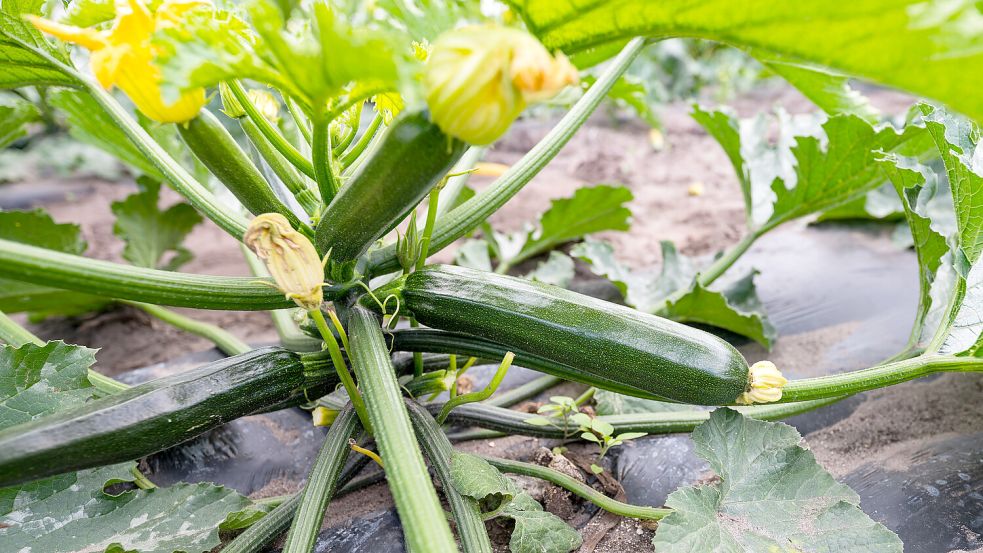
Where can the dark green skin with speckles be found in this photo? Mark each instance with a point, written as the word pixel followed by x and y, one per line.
pixel 413 156
pixel 150 417
pixel 607 345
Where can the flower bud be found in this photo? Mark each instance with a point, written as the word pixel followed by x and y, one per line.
pixel 766 383
pixel 408 245
pixel 479 79
pixel 266 104
pixel 290 258
pixel 230 105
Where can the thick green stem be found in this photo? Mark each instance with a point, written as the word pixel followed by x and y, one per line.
pixel 424 526
pixel 126 282
pixel 177 176
pixel 349 137
pixel 321 483
pixel 355 151
pixel 218 336
pixel 300 119
pixel 271 133
pixel 513 422
pixel 324 173
pixel 341 368
pixel 877 377
pixel 470 214
pixel 578 488
pixel 465 510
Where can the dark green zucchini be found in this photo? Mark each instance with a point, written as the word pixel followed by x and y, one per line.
pixel 159 414
pixel 215 148
pixel 603 344
pixel 412 157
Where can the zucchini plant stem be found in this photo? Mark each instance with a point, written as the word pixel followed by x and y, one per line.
pixel 16 335
pixel 177 176
pixel 363 142
pixel 465 510
pixel 421 261
pixel 321 483
pixel 341 367
pixel 424 526
pixel 480 395
pixel 345 142
pixel 473 212
pixel 525 391
pixel 324 173
pixel 286 172
pixel 300 119
pixel 276 138
pixel 126 282
pixel 880 376
pixel 225 341
pixel 578 488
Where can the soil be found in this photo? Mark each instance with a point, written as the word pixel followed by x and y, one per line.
pixel 606 151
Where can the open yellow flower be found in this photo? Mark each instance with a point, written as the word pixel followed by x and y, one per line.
pixel 290 257
pixel 124 55
pixel 479 79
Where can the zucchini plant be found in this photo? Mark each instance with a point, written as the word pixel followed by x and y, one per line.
pixel 253 112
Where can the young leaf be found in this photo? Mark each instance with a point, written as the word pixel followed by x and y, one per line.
pixel 772 495
pixel 921 47
pixel 557 270
pixel 737 309
pixel 475 478
pixel 589 210
pixel 537 531
pixel 149 232
pixel 15 114
pixel 71 512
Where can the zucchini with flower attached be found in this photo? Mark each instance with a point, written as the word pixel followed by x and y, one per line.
pixel 161 413
pixel 412 157
pixel 586 339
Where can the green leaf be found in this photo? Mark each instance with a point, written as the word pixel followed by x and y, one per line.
pixel 880 204
pixel 828 90
pixel 773 495
pixel 475 478
pixel 88 13
pixel 26 57
pixel 37 228
pixel 589 210
pixel 537 531
pixel 928 48
pixel 71 512
pixel 149 232
pixel 89 123
pixel 737 309
pixel 15 114
pixel 557 270
pixel 734 307
pixel 630 92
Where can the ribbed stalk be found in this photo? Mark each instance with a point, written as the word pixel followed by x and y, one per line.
pixel 466 513
pixel 278 141
pixel 359 148
pixel 321 483
pixel 424 526
pixel 14 334
pixel 513 422
pixel 286 172
pixel 473 212
pixel 113 280
pixel 521 393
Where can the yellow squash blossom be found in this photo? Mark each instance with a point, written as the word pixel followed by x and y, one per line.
pixel 124 55
pixel 479 79
pixel 290 257
pixel 766 383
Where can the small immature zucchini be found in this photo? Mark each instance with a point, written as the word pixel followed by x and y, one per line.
pixel 159 414
pixel 603 344
pixel 412 157
pixel 218 151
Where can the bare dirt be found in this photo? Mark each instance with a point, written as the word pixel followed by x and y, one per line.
pixel 606 151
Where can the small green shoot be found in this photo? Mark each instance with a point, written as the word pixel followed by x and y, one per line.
pixel 601 433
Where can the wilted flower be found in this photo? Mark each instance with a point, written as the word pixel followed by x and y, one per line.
pixel 480 78
pixel 124 55
pixel 766 383
pixel 290 257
